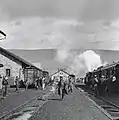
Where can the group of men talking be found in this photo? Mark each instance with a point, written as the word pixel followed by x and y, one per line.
pixel 63 86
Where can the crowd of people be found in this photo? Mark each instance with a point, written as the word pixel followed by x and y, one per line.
pixel 63 86
pixel 40 83
pixel 102 85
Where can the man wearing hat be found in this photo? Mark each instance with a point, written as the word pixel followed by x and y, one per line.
pixel 4 86
pixel 102 86
pixel 70 84
pixel 17 83
pixel 61 88
pixel 96 88
pixel 0 82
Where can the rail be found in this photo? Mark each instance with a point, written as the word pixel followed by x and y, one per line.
pixel 107 107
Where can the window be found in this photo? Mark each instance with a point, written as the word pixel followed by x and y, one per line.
pixel 8 72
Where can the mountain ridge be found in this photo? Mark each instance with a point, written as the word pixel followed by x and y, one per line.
pixel 46 57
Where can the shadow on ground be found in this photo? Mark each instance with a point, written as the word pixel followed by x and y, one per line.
pixel 57 99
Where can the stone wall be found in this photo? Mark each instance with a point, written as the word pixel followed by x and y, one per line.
pixel 15 69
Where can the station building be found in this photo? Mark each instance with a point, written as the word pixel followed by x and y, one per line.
pixel 12 65
pixel 60 72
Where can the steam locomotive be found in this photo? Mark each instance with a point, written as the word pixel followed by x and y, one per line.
pixel 107 77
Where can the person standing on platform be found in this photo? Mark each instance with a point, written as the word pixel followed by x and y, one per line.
pixel 26 84
pixel 0 82
pixel 4 86
pixel 37 84
pixel 17 83
pixel 96 85
pixel 43 83
pixel 70 85
pixel 53 88
pixel 61 88
pixel 102 85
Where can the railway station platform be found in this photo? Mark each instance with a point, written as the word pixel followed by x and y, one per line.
pixel 74 106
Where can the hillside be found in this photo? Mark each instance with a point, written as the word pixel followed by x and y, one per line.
pixel 46 57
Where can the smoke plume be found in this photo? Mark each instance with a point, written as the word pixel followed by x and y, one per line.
pixel 81 63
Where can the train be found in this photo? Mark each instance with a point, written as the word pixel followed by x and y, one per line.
pixel 31 75
pixel 107 76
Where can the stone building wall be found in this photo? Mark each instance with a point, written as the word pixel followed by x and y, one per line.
pixel 15 69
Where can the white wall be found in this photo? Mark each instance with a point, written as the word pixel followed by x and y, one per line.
pixel 60 73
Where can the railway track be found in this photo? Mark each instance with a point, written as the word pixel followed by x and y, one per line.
pixel 32 105
pixel 108 108
pixel 16 111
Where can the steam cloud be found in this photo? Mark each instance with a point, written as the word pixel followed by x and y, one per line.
pixel 81 63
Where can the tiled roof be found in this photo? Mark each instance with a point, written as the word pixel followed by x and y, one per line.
pixel 59 71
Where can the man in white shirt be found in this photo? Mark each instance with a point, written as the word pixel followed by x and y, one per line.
pixel 43 83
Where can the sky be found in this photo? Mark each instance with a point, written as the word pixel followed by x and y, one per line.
pixel 43 24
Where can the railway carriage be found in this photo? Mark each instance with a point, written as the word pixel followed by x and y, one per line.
pixel 110 72
pixel 88 78
pixel 110 75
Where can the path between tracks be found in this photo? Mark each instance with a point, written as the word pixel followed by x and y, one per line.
pixel 14 100
pixel 74 107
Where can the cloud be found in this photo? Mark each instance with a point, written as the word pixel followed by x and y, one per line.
pixel 80 9
pixel 3 15
pixel 71 22
pixel 63 54
pixel 50 32
pixel 36 32
pixel 115 23
pixel 100 10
